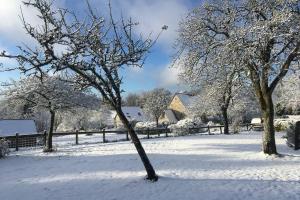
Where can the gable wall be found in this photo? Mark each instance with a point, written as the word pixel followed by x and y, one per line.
pixel 178 108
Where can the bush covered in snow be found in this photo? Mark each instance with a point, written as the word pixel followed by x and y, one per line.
pixel 4 148
pixel 145 125
pixel 282 124
pixel 182 126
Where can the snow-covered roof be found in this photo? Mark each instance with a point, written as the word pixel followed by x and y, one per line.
pixel 169 114
pixel 9 127
pixel 133 113
pixel 256 121
pixel 186 99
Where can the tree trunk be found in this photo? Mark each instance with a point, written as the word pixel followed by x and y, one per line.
pixel 225 120
pixel 49 147
pixel 269 145
pixel 156 122
pixel 151 175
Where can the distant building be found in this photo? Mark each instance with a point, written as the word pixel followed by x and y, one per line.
pixel 178 108
pixel 9 127
pixel 132 113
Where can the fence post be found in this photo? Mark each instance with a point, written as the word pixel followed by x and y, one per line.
pixel 247 126
pixel 208 130
pixel 127 135
pixel 17 141
pixel 103 135
pixel 76 137
pixel 148 134
pixel 166 131
pixel 45 137
pixel 221 130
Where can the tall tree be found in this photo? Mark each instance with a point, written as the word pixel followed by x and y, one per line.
pixel 156 102
pixel 219 86
pixel 93 49
pixel 52 95
pixel 260 37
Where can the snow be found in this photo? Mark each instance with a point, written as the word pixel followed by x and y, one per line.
pixel 256 121
pixel 170 116
pixel 11 127
pixel 133 113
pixel 191 167
pixel 186 99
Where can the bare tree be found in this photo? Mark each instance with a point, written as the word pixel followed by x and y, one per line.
pixel 94 50
pixel 156 102
pixel 260 37
pixel 52 95
pixel 132 99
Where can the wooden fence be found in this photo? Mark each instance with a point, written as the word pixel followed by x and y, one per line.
pixel 40 139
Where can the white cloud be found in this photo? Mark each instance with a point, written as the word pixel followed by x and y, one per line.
pixel 152 15
pixel 11 25
pixel 169 76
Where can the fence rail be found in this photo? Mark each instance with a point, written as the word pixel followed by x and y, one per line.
pixel 33 140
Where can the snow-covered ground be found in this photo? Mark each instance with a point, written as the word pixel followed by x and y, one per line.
pixel 196 167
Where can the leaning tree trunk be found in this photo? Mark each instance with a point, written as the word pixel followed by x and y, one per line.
pixel 269 145
pixel 49 147
pixel 151 175
pixel 225 119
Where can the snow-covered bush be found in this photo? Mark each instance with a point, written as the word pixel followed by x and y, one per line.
pixel 211 123
pixel 235 126
pixel 282 125
pixel 145 125
pixel 4 148
pixel 182 126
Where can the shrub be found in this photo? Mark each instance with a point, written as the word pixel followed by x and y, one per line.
pixel 4 148
pixel 145 125
pixel 281 125
pixel 182 126
pixel 236 128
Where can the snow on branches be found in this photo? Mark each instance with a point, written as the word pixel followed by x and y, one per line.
pixel 260 39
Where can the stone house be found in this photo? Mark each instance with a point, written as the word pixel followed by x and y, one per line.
pixel 178 108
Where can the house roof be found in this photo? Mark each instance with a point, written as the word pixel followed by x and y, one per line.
pixel 133 113
pixel 169 114
pixel 9 127
pixel 186 99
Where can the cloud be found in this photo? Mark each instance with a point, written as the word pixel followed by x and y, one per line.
pixel 11 25
pixel 152 15
pixel 168 76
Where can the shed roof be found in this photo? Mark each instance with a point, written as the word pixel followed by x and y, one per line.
pixel 9 127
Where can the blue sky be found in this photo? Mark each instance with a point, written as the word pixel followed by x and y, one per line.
pixel 151 15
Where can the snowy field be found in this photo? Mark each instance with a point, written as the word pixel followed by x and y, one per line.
pixel 226 167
